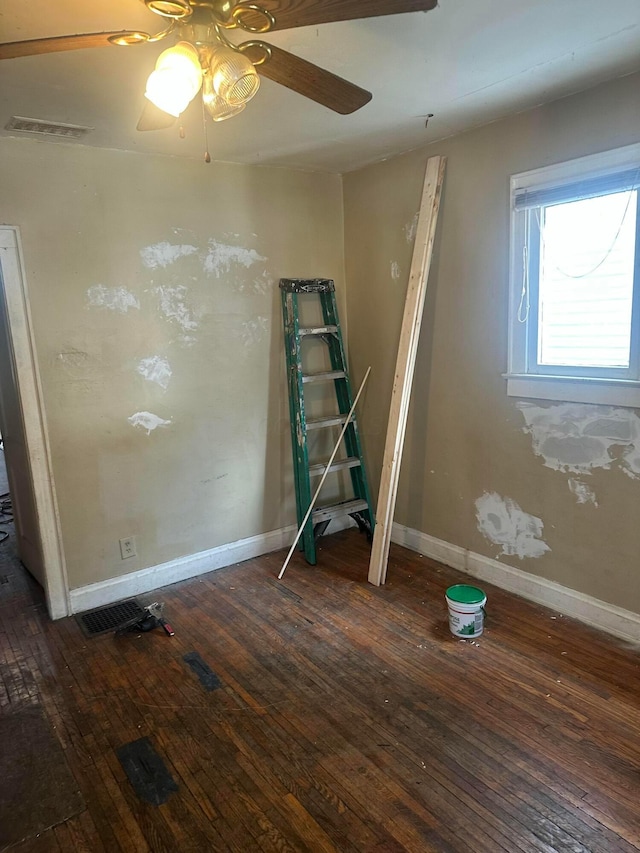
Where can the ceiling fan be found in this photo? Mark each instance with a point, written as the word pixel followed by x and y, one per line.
pixel 226 73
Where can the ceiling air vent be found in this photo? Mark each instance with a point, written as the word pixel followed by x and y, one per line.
pixel 47 128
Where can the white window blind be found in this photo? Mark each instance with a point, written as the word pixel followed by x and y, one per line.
pixel 599 185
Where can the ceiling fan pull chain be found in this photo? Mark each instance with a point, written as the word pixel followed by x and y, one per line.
pixel 207 156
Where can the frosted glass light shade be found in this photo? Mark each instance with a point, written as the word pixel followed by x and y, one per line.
pixel 176 80
pixel 217 107
pixel 234 77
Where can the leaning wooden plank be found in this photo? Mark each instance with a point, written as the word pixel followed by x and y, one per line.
pixel 405 363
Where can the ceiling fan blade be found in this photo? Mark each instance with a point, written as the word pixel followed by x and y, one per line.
pixel 304 13
pixel 153 118
pixel 312 81
pixel 33 47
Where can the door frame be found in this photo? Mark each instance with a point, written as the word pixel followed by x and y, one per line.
pixel 29 388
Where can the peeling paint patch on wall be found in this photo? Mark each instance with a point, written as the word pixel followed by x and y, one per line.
pixel 261 285
pixel 504 523
pixel 410 228
pixel 395 270
pixel 576 438
pixel 156 369
pixel 584 494
pixel 174 307
pixel 163 254
pixel 73 359
pixel 252 331
pixel 221 257
pixel 115 298
pixel 148 421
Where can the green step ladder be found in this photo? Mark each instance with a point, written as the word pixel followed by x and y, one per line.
pixel 359 507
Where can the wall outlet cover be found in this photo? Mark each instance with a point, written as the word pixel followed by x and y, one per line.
pixel 128 547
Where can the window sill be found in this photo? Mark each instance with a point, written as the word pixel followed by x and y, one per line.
pixel 605 392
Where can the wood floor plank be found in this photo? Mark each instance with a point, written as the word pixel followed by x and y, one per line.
pixel 348 718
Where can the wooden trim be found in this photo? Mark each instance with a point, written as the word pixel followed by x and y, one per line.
pixel 621 623
pixel 600 392
pixel 35 426
pixel 405 363
pixel 145 580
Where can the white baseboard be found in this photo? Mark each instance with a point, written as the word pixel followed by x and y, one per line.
pixel 145 580
pixel 599 614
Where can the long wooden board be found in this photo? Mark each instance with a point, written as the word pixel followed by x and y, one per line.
pixel 405 364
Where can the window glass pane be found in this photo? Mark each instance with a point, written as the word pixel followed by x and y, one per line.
pixel 586 281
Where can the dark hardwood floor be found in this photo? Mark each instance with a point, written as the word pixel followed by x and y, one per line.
pixel 348 719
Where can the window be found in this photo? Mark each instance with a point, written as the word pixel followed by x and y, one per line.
pixel 575 280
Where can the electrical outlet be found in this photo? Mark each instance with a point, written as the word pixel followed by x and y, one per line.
pixel 128 547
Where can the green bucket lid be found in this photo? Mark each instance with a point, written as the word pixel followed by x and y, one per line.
pixel 464 594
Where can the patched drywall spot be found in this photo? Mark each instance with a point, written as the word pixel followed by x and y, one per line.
pixel 164 254
pixel 584 494
pixel 504 523
pixel 222 257
pixel 576 438
pixel 156 369
pixel 410 228
pixel 73 359
pixel 174 307
pixel 253 331
pixel 395 270
pixel 261 285
pixel 632 462
pixel 148 421
pixel 187 340
pixel 114 298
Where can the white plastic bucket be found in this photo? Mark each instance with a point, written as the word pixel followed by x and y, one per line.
pixel 466 610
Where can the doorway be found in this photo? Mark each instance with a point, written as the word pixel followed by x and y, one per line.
pixel 23 428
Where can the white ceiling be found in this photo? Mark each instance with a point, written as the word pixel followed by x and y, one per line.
pixel 468 62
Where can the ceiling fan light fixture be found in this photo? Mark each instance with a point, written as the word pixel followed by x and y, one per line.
pixel 176 9
pixel 176 80
pixel 217 107
pixel 234 76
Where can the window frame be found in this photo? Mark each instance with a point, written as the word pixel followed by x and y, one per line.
pixel 525 377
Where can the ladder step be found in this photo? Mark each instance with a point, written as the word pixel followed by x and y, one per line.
pixel 322 377
pixel 323 329
pixel 332 420
pixel 342 465
pixel 319 330
pixel 324 513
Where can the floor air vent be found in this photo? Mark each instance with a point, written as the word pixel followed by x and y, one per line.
pixel 109 618
pixel 47 128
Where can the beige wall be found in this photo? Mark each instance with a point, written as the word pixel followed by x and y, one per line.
pixel 465 436
pixel 100 231
pixel 103 300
